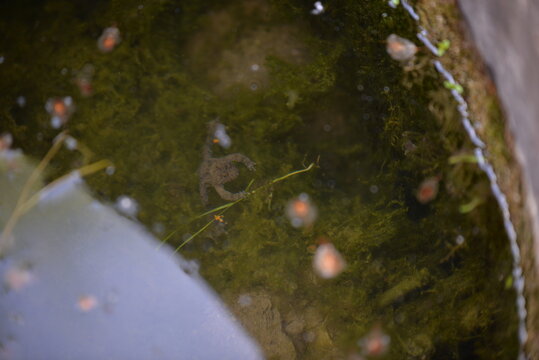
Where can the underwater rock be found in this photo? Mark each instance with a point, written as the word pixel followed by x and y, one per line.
pixel 235 66
pixel 284 336
pixel 264 321
pixel 420 347
pixel 244 62
pixel 317 337
pixel 295 327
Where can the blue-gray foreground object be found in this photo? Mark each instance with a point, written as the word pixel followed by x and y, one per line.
pixel 83 282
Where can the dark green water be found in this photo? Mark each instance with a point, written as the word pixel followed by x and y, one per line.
pixel 326 92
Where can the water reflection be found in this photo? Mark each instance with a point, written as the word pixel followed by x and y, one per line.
pixel 301 211
pixel 399 48
pixel 328 262
pixel 109 39
pixel 60 110
pixel 428 189
pixel 84 79
pixel 6 140
pixel 375 343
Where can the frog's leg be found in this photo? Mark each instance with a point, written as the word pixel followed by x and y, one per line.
pixel 203 188
pixel 237 157
pixel 227 195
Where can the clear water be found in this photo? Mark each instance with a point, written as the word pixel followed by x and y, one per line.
pixel 292 88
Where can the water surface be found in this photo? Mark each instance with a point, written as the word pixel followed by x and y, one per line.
pixel 293 89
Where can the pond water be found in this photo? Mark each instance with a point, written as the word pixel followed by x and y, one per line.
pixel 393 181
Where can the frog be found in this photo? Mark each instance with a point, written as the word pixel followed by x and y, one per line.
pixel 217 171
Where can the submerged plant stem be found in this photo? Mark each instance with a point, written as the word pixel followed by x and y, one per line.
pixel 193 236
pixel 221 209
pixel 34 176
pixel 82 172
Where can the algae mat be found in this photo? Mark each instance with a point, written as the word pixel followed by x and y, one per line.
pixel 293 86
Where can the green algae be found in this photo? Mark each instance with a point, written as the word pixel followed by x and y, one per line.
pixel 353 108
pixel 405 286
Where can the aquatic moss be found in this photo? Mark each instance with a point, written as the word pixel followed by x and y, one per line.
pixel 153 97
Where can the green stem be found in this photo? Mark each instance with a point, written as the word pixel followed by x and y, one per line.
pixel 194 235
pixel 23 196
pixel 82 172
pixel 223 208
pixel 286 176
